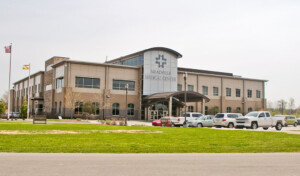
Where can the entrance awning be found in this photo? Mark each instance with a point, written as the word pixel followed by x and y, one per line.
pixel 177 96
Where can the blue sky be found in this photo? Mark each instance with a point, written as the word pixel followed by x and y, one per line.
pixel 255 39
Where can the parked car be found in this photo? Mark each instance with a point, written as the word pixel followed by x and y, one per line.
pixel 226 119
pixel 298 121
pixel 166 122
pixel 178 121
pixel 14 115
pixel 156 122
pixel 203 121
pixel 290 120
pixel 263 119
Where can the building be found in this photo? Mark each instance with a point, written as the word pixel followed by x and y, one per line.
pixel 155 87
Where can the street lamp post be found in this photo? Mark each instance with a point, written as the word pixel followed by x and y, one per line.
pixel 185 122
pixel 126 88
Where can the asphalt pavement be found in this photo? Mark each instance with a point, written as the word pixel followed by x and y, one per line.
pixel 55 164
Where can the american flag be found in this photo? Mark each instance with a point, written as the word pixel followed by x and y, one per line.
pixel 7 49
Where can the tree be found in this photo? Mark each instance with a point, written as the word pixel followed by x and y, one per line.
pixel 89 108
pixel 214 110
pixel 5 98
pixel 2 107
pixel 281 105
pixel 291 105
pixel 23 113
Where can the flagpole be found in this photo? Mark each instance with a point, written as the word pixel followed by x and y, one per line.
pixel 28 93
pixel 8 101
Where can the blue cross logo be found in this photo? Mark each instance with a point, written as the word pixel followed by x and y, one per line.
pixel 161 61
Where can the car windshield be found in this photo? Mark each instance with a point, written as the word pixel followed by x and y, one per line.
pixel 196 115
pixel 219 116
pixel 252 114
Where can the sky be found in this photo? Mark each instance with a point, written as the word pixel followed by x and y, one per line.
pixel 254 39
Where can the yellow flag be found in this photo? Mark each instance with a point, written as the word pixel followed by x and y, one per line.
pixel 26 67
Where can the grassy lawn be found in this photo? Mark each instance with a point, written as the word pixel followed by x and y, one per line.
pixel 87 138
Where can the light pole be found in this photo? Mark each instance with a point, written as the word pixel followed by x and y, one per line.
pixel 126 88
pixel 184 77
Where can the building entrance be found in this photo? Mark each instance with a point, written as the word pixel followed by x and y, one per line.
pixel 159 110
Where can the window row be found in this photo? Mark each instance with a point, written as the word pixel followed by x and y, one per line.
pixel 32 90
pixel 83 82
pixel 216 91
pixel 94 108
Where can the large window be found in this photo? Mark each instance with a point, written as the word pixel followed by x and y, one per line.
pixel 59 83
pixel 190 87
pixel 83 82
pixel 257 93
pixel 190 108
pixel 97 109
pixel 250 109
pixel 216 91
pixel 179 87
pixel 78 107
pixel 238 92
pixel 228 92
pixel 205 90
pixel 249 93
pixel 228 109
pixel 121 85
pixel 135 61
pixel 130 110
pixel 116 109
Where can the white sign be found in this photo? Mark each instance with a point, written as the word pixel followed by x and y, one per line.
pixel 160 72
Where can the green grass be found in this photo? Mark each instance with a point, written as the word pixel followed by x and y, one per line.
pixel 170 140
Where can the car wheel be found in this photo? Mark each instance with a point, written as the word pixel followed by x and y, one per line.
pixel 172 125
pixel 266 128
pixel 254 125
pixel 278 126
pixel 199 125
pixel 230 125
pixel 295 124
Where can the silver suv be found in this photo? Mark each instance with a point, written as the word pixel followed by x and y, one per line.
pixel 226 119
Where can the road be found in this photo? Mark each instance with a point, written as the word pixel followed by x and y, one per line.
pixel 53 164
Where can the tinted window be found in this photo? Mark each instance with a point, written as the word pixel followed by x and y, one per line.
pixel 268 114
pixel 196 115
pixel 219 116
pixel 262 115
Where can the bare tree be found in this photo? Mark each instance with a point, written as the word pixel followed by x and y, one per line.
pixel 5 97
pixel 291 105
pixel 281 105
pixel 270 105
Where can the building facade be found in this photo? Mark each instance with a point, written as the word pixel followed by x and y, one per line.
pixel 119 87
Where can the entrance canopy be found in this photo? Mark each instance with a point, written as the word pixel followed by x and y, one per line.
pixel 176 96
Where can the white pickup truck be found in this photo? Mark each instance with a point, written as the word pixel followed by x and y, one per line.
pixel 178 121
pixel 262 119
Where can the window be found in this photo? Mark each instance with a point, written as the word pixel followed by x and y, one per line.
pixel 39 88
pixel 190 108
pixel 228 109
pixel 59 110
pixel 206 110
pixel 238 110
pixel 83 82
pixel 78 107
pixel 116 109
pixel 179 87
pixel 238 92
pixel 257 93
pixel 59 83
pixel 130 110
pixel 250 110
pixel 135 61
pixel 216 91
pixel 205 90
pixel 249 93
pixel 228 92
pixel 190 87
pixel 121 85
pixel 97 109
pixel 55 107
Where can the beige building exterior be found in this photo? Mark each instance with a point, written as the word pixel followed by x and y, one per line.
pixel 65 87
